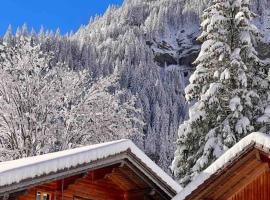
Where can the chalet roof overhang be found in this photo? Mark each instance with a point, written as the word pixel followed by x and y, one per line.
pixel 251 159
pixel 126 158
pixel 129 157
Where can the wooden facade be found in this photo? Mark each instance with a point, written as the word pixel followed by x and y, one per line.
pixel 258 189
pixel 246 177
pixel 118 177
pixel 114 182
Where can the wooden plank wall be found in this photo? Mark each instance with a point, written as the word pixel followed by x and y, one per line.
pixel 115 182
pixel 258 189
pixel 89 191
pixel 111 183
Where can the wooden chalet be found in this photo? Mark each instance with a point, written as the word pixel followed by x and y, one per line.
pixel 110 171
pixel 242 173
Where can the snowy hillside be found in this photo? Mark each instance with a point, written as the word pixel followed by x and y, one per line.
pixel 142 52
pixel 153 51
pixel 165 31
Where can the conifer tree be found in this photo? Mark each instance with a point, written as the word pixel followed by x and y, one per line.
pixel 229 88
pixel 8 37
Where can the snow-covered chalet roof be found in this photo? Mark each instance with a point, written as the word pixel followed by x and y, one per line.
pixel 254 138
pixel 31 167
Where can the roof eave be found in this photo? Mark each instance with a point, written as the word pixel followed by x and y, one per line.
pixel 126 157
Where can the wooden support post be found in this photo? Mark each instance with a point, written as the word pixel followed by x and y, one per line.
pixel 258 155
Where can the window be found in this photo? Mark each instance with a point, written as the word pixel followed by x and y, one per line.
pixel 43 196
pixel 38 196
pixel 46 196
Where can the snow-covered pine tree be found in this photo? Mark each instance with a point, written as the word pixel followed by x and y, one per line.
pixel 229 88
pixel 8 37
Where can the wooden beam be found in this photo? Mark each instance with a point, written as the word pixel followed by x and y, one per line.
pixel 101 186
pixel 162 192
pixel 136 194
pixel 126 171
pixel 264 157
pixel 99 174
pixel 125 185
pixel 258 155
pixel 93 192
pixel 106 182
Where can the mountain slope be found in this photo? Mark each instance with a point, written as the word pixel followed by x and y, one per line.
pixel 153 44
pixel 150 46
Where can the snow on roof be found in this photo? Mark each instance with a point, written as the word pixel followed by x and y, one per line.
pixel 258 138
pixel 18 170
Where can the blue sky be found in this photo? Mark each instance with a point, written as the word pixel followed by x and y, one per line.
pixel 66 14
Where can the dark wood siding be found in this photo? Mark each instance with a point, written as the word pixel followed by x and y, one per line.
pixel 258 189
pixel 116 182
pixel 246 177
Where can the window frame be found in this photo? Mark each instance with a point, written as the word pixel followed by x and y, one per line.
pixel 42 194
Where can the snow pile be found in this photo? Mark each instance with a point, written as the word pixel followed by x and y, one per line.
pixel 18 170
pixel 258 138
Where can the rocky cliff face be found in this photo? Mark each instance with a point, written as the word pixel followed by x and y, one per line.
pixel 152 44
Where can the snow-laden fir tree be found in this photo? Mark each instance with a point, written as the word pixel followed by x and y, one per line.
pixel 229 88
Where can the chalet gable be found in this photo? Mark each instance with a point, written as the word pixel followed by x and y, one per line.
pixel 114 170
pixel 242 173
